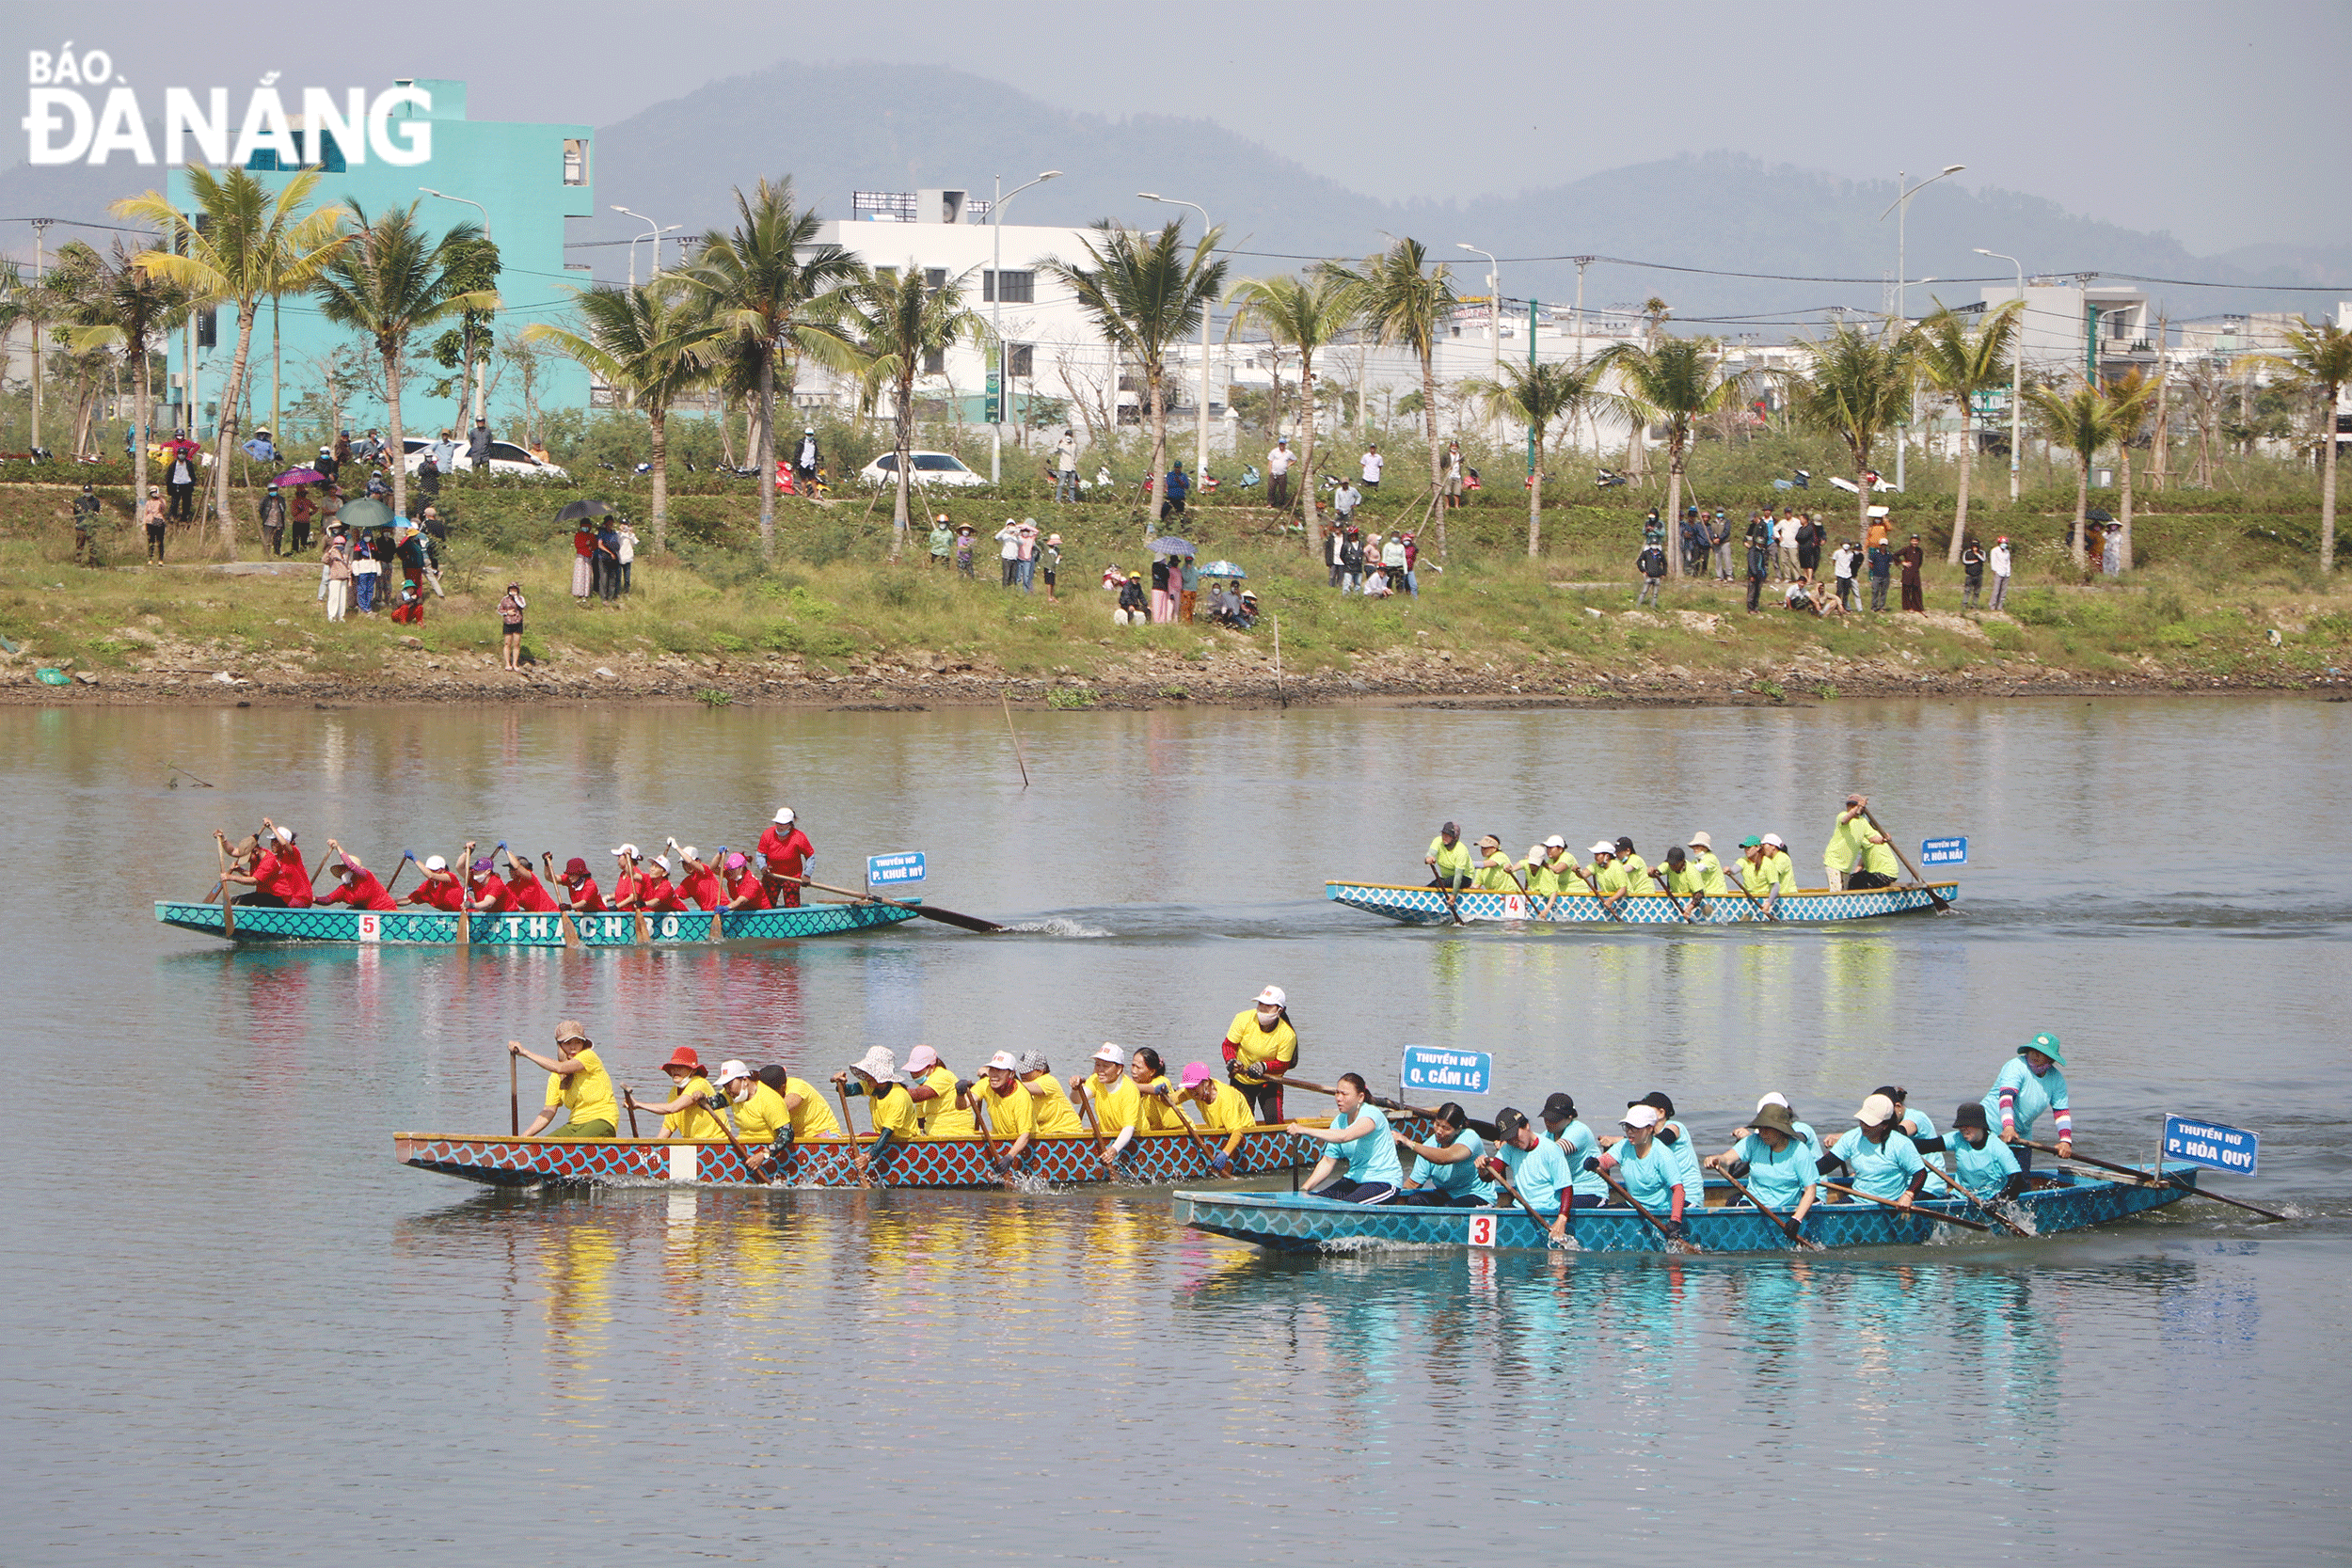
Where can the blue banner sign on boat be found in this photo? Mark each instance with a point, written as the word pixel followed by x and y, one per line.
pixel 1944 851
pixel 885 870
pixel 2211 1145
pixel 1446 1071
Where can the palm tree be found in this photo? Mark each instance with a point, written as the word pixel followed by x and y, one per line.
pixel 1678 383
pixel 1306 314
pixel 1145 294
pixel 903 322
pixel 1960 364
pixel 251 247
pixel 131 308
pixel 2128 397
pixel 2084 423
pixel 1407 301
pixel 2321 357
pixel 1856 387
pixel 1537 396
pixel 651 344
pixel 389 283
pixel 772 286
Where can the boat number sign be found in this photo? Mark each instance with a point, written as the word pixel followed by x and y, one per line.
pixel 1944 851
pixel 883 870
pixel 1482 1230
pixel 1448 1071
pixel 2211 1145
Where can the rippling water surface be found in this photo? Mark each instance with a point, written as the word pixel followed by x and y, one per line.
pixel 236 1331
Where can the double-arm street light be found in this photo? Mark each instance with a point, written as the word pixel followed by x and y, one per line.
pixel 472 368
pixel 1902 209
pixel 2017 377
pixel 654 233
pixel 1494 316
pixel 1200 459
pixel 997 316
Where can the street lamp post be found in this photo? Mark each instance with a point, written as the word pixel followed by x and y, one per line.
pixel 2017 378
pixel 1494 316
pixel 472 368
pixel 654 233
pixel 1902 209
pixel 997 315
pixel 1201 458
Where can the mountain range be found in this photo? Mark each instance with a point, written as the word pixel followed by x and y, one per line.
pixel 837 129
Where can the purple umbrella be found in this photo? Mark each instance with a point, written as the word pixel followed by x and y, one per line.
pixel 301 476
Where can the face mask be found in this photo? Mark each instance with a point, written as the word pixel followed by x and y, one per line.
pixel 1266 1018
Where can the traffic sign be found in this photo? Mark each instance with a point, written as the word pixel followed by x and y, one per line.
pixel 1449 1071
pixel 1944 851
pixel 885 870
pixel 2211 1145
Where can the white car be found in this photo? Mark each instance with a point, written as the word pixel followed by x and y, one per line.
pixel 928 467
pixel 505 458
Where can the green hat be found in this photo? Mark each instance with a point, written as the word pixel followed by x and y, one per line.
pixel 2047 1044
pixel 1751 842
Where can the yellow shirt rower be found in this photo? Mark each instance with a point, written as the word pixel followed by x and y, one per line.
pixel 1112 1095
pixel 1004 1103
pixel 811 1116
pixel 1050 1110
pixel 687 1113
pixel 941 1110
pixel 1223 1111
pixel 1494 868
pixel 577 1082
pixel 1260 1046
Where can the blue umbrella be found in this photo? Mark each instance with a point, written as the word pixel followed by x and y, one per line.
pixel 1167 544
pixel 1222 569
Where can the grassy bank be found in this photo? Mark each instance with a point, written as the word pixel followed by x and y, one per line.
pixel 832 619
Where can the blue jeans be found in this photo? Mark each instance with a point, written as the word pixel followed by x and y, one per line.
pixel 1066 485
pixel 363 584
pixel 1026 575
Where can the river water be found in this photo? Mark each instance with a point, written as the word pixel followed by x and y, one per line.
pixel 237 1331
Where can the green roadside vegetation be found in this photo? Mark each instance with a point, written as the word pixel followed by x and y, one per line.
pixel 2226 594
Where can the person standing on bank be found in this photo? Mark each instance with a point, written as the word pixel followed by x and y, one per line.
pixel 274 521
pixel 1972 574
pixel 1066 468
pixel 1911 557
pixel 478 447
pixel 805 460
pixel 1277 469
pixel 1881 562
pixel 577 1083
pixel 1998 559
pixel 511 607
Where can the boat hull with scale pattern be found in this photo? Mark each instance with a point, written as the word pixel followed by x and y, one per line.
pixel 1289 1222
pixel 1426 906
pixel 337 925
pixel 1152 1158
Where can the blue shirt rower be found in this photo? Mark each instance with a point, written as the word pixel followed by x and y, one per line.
pixel 1445 1169
pixel 1359 1136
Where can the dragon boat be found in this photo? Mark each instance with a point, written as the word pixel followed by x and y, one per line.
pixel 1429 905
pixel 422 928
pixel 1293 1222
pixel 1151 1158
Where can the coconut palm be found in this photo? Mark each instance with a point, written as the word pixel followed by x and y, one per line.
pixel 1405 300
pixel 649 344
pixel 1146 293
pixel 1677 383
pixel 771 284
pixel 902 322
pixel 2084 423
pixel 2128 397
pixel 1960 363
pixel 1305 314
pixel 389 282
pixel 1856 387
pixel 2321 359
pixel 1539 396
pixel 131 308
pixel 251 246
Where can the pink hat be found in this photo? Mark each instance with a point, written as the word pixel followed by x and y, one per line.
pixel 1196 1074
pixel 921 1059
pixel 736 863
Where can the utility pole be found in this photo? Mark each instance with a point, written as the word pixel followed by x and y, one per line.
pixel 2017 378
pixel 1531 365
pixel 1581 262
pixel 996 326
pixel 2162 455
pixel 41 261
pixel 1902 209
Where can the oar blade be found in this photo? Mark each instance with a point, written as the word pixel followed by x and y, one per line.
pixel 961 922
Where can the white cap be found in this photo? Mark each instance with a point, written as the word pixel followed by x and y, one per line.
pixel 1110 1054
pixel 1638 1117
pixel 435 863
pixel 1002 1062
pixel 1555 842
pixel 784 814
pixel 1877 1110
pixel 1776 841
pixel 1702 841
pixel 730 1071
pixel 687 852
pixel 660 862
pixel 1603 847
pixel 628 849
pixel 285 836
pixel 1776 1098
pixel 1273 996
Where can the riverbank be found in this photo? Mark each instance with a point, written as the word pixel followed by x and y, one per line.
pixel 834 623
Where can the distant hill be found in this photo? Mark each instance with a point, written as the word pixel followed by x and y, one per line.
pixel 836 129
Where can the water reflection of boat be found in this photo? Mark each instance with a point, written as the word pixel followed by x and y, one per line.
pixel 1293 1222
pixel 438 929
pixel 1153 1158
pixel 1427 906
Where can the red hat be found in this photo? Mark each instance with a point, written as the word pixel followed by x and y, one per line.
pixel 684 1056
pixel 575 867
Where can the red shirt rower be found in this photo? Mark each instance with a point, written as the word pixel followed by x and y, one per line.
pixel 486 892
pixel 745 890
pixel 439 888
pixel 529 896
pixel 576 882
pixel 789 854
pixel 654 892
pixel 355 885
pixel 700 886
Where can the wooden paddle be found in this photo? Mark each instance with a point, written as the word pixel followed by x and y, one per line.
pixel 1498 1174
pixel 1787 1227
pixel 1752 897
pixel 1658 876
pixel 628 1103
pixel 514 1098
pixel 228 899
pixel 1975 1202
pixel 463 868
pixel 1086 1104
pixel 1483 1129
pixel 1594 888
pixel 987 1141
pixel 563 917
pixel 1673 1244
pixel 1933 897
pixel 728 1128
pixel 2157 1180
pixel 1890 1203
pixel 929 911
pixel 398 872
pixel 848 1130
pixel 1185 1122
pixel 719 910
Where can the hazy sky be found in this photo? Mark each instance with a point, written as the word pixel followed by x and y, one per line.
pixel 2227 124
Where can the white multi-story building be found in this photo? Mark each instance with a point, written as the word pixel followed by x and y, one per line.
pixel 2075 329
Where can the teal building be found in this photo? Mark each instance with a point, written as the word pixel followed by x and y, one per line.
pixel 529 179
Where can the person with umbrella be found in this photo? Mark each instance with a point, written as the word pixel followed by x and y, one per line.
pixel 583 561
